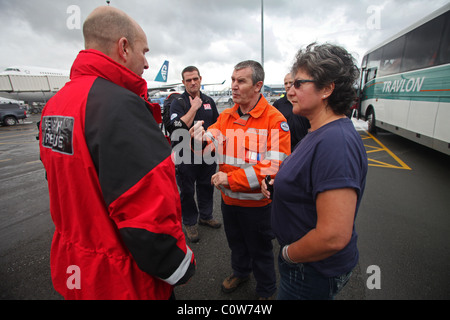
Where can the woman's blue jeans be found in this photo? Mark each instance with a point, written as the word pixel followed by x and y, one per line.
pixel 302 282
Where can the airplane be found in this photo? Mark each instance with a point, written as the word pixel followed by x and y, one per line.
pixel 162 76
pixel 37 84
pixel 163 72
pixel 158 94
pixel 31 84
pixel 34 71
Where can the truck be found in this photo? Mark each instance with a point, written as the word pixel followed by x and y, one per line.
pixel 11 113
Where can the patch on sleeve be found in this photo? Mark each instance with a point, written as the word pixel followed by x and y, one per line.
pixel 57 134
pixel 284 126
pixel 173 116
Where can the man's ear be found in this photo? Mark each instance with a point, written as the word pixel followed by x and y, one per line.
pixel 123 49
pixel 259 86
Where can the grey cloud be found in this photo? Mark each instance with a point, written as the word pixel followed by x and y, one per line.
pixel 185 31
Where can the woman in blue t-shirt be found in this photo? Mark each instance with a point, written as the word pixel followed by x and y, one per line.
pixel 318 189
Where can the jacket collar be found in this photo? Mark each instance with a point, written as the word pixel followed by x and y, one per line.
pixel 256 112
pixel 95 63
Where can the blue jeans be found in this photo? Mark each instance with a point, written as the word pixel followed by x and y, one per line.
pixel 302 282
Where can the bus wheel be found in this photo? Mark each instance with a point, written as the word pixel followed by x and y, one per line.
pixel 370 117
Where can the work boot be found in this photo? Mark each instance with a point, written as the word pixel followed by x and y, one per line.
pixel 232 283
pixel 192 233
pixel 212 223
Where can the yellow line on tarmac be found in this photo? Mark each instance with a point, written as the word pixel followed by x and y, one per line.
pixel 373 149
pixel 383 164
pixel 32 162
pixel 15 135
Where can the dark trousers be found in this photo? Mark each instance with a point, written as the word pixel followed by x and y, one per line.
pixel 191 179
pixel 249 236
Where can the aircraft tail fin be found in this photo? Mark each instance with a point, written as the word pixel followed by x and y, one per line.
pixel 163 72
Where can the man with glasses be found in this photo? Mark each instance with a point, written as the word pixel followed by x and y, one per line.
pixel 193 176
pixel 297 124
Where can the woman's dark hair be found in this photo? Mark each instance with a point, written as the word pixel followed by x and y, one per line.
pixel 328 64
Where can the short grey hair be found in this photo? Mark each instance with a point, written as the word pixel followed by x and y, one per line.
pixel 105 25
pixel 328 64
pixel 257 70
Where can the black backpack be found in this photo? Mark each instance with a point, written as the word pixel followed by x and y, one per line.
pixel 171 126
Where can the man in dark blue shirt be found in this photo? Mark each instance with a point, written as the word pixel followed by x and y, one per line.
pixel 191 175
pixel 298 125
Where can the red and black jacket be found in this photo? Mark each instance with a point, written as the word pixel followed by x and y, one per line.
pixel 113 193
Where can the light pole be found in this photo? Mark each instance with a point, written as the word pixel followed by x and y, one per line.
pixel 262 37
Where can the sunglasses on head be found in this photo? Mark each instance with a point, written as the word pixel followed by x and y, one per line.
pixel 298 83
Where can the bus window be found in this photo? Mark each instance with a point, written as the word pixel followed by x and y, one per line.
pixel 422 45
pixel 444 52
pixel 368 75
pixel 392 57
pixel 364 63
pixel 374 59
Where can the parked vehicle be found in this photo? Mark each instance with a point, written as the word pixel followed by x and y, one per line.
pixel 405 83
pixel 11 113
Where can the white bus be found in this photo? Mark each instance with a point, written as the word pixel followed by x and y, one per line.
pixel 405 83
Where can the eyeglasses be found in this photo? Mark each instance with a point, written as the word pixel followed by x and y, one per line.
pixel 298 83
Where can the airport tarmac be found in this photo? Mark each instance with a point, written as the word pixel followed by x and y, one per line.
pixel 403 226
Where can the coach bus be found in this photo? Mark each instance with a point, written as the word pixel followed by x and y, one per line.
pixel 405 83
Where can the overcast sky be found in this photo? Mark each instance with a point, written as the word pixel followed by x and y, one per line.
pixel 214 35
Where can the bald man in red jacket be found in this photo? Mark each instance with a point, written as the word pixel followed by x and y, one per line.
pixel 113 194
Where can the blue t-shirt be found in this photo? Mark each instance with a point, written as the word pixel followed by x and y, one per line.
pixel 331 157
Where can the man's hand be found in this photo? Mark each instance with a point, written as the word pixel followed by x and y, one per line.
pixel 189 117
pixel 219 179
pixel 264 189
pixel 196 103
pixel 197 131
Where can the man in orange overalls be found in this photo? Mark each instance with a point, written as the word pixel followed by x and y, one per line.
pixel 251 140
